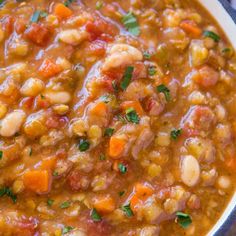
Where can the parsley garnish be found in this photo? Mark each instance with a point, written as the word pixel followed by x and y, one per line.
pixel 67 229
pixel 127 210
pixel 99 5
pixel 50 202
pixel 183 219
pixel 68 2
pixel 108 132
pixel 131 24
pixel 127 77
pixel 65 205
pixel 212 35
pixel 84 145
pixel 114 85
pixel 175 133
pixel 122 168
pixel 30 152
pixel 43 14
pixel 106 98
pixel 146 55
pixel 1 155
pixel 95 216
pixel 131 116
pixel 8 192
pixel 102 157
pixel 152 70
pixel 35 17
pixel 121 193
pixel 163 89
pixel 55 173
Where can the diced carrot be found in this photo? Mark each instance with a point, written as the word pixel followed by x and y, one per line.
pixel 104 204
pixel 191 27
pixel 115 166
pixel 49 68
pixel 99 109
pixel 62 12
pixel 132 104
pixel 143 191
pixel 38 181
pixel 116 147
pixel 134 200
pixel 48 163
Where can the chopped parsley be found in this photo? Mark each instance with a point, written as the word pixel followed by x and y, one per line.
pixel 127 77
pixel 108 132
pixel 95 216
pixel 1 155
pixel 212 35
pixel 35 17
pixel 175 133
pixel 183 219
pixel 152 70
pixel 146 55
pixel 55 173
pixel 131 24
pixel 43 14
pixel 106 98
pixel 30 152
pixel 121 193
pixel 132 116
pixel 67 229
pixel 99 5
pixel 163 89
pixel 8 192
pixel 102 157
pixel 84 145
pixel 67 3
pixel 50 202
pixel 65 205
pixel 122 168
pixel 127 210
pixel 114 85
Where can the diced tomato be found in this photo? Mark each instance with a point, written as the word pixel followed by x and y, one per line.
pixel 26 227
pixel 8 24
pixel 27 103
pixel 38 34
pixel 49 68
pixel 154 107
pixel 20 26
pixel 77 181
pixel 140 71
pixel 54 122
pixel 41 102
pixel 97 48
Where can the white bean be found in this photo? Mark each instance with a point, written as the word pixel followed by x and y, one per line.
pixel 59 97
pixel 190 170
pixel 224 182
pixel 32 87
pixel 12 123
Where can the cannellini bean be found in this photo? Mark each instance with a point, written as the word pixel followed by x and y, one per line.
pixel 73 36
pixel 11 124
pixel 121 54
pixel 190 170
pixel 77 232
pixel 224 182
pixel 198 53
pixel 32 87
pixel 58 97
pixel 163 139
pixel 149 231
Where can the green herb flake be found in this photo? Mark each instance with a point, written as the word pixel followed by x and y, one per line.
pixel 42 96
pixel 183 219
pixel 132 116
pixel 212 35
pixel 122 168
pixel 30 152
pixel 121 193
pixel 127 77
pixel 127 210
pixel 99 5
pixel 131 24
pixel 121 119
pixel 102 157
pixel 163 89
pixel 67 3
pixel 152 70
pixel 50 202
pixel 106 98
pixel 1 155
pixel 55 173
pixel 65 205
pixel 146 55
pixel 108 132
pixel 35 17
pixel 43 14
pixel 114 85
pixel 95 216
pixel 8 192
pixel 175 133
pixel 67 229
pixel 84 145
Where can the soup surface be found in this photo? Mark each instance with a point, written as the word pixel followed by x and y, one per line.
pixel 116 118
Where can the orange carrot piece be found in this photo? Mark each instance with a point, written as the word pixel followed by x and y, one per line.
pixel 37 181
pixel 143 191
pixel 116 147
pixel 104 204
pixel 191 27
pixel 99 109
pixel 132 104
pixel 62 12
pixel 134 200
pixel 49 68
pixel 231 163
pixel 48 164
